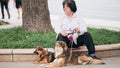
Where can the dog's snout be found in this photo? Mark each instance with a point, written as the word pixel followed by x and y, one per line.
pixel 35 52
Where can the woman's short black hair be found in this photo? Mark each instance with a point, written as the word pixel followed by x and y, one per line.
pixel 71 4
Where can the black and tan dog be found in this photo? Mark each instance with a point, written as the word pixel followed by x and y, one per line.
pixel 43 56
pixel 65 57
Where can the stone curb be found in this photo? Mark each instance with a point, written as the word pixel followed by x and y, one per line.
pixel 13 55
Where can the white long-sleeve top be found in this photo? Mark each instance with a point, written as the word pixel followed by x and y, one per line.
pixel 65 24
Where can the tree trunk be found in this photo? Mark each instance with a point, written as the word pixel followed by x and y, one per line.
pixel 36 16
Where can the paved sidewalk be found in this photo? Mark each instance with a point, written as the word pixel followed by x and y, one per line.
pixel 91 22
pixel 14 21
pixel 111 62
pixel 101 23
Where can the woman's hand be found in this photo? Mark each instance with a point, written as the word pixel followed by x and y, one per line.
pixel 77 30
pixel 64 33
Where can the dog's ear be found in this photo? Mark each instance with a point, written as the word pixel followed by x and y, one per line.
pixel 64 45
pixel 39 48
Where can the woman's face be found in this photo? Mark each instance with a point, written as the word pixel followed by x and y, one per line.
pixel 67 10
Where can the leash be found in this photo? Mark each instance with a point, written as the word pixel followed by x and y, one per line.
pixel 70 56
pixel 71 39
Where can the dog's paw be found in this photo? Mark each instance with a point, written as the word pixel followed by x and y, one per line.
pixel 96 61
pixel 35 62
pixel 48 66
pixel 42 65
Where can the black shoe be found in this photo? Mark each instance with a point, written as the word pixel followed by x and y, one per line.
pixel 94 57
pixel 9 17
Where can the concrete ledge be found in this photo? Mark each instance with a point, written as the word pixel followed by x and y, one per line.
pixel 23 55
pixel 108 50
pixel 27 54
pixel 5 55
pixel 22 51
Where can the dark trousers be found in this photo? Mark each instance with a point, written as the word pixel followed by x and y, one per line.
pixel 4 3
pixel 81 40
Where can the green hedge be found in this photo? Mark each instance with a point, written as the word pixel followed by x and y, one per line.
pixel 19 38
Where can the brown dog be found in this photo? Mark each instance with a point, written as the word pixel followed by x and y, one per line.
pixel 43 56
pixel 65 57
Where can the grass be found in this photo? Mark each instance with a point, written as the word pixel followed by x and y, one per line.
pixel 102 36
pixel 3 22
pixel 19 38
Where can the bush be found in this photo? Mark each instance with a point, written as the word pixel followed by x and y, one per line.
pixel 19 38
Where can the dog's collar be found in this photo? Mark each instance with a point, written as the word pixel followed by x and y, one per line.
pixel 60 56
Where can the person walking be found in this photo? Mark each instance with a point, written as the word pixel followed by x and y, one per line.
pixel 70 22
pixel 18 4
pixel 4 3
